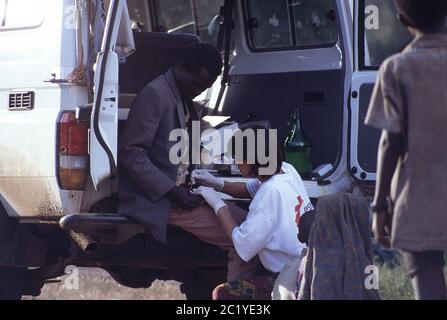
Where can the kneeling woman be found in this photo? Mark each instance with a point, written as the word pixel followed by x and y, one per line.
pixel 270 230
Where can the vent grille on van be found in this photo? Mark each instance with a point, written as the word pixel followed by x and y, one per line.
pixel 21 100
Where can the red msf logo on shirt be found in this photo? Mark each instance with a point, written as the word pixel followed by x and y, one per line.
pixel 298 210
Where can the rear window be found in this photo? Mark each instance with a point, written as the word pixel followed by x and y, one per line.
pixel 21 14
pixel 199 17
pixel 291 24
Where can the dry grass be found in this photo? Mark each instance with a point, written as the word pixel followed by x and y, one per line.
pixel 394 284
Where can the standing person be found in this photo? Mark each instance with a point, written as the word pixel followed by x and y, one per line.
pixel 152 189
pixel 270 230
pixel 409 104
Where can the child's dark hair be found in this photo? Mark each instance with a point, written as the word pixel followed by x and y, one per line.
pixel 427 16
pixel 202 55
pixel 251 151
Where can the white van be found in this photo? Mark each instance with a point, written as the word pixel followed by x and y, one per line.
pixel 60 117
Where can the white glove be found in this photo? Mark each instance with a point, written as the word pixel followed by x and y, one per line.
pixel 211 197
pixel 206 179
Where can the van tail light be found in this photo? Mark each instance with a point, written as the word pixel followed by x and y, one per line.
pixel 73 161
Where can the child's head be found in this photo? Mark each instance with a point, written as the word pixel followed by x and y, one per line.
pixel 427 16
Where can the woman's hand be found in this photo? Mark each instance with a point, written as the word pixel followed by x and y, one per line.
pixel 211 197
pixel 206 179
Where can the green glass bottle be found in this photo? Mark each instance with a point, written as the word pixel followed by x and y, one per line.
pixel 298 147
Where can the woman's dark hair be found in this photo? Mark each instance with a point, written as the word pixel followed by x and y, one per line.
pixel 426 15
pixel 248 150
pixel 202 55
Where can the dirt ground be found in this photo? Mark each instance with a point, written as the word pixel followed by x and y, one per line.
pixel 96 284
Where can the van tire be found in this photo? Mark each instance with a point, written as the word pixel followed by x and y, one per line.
pixel 11 283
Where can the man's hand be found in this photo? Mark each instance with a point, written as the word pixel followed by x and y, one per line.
pixel 382 228
pixel 206 179
pixel 183 198
pixel 211 197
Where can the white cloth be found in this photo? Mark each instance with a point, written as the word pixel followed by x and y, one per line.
pixel 285 284
pixel 270 229
pixel 288 283
pixel 125 44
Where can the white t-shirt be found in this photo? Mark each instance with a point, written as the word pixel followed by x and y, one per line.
pixel 270 229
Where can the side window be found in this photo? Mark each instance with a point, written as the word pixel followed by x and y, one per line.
pixel 382 34
pixel 269 24
pixel 315 22
pixel 291 24
pixel 21 14
pixel 188 16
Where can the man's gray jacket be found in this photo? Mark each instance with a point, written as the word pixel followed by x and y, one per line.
pixel 146 173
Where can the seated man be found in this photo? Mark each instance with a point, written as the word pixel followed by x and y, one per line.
pixel 152 188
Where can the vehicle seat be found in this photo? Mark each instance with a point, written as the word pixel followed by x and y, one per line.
pixel 155 54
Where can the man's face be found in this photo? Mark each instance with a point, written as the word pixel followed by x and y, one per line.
pixel 195 84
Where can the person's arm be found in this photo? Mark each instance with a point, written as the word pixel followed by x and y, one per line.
pixel 386 112
pixel 219 207
pixel 251 236
pixel 227 221
pixel 390 149
pixel 234 189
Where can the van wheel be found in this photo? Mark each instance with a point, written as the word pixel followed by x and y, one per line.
pixel 11 283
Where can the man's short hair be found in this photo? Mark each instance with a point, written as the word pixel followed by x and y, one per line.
pixel 426 15
pixel 202 55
